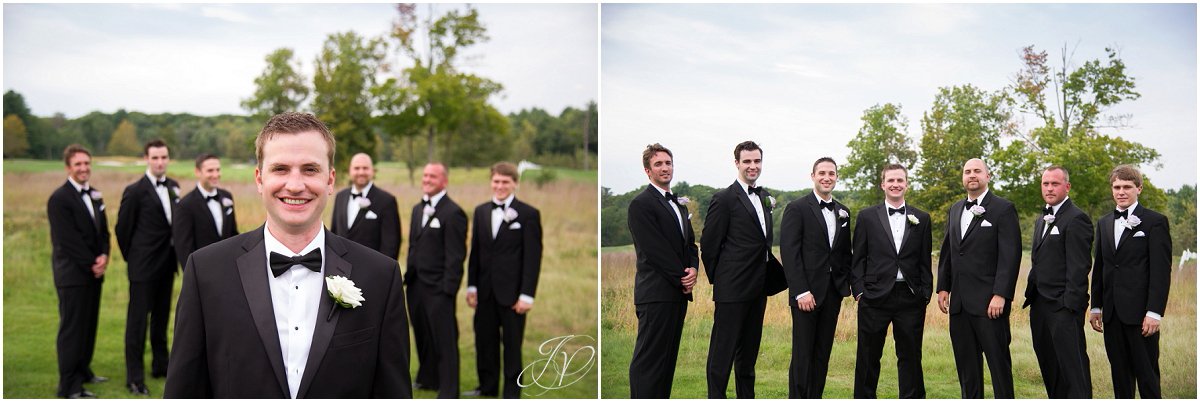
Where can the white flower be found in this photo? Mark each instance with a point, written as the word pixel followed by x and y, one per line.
pixel 510 215
pixel 226 202
pixel 428 211
pixel 772 199
pixel 96 195
pixel 1132 221
pixel 683 200
pixel 913 219
pixel 978 210
pixel 1048 218
pixel 176 191
pixel 843 213
pixel 343 291
pixel 363 202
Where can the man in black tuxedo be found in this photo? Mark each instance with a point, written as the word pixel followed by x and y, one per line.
pixel 79 237
pixel 1058 289
pixel 366 214
pixel 204 216
pixel 144 236
pixel 978 263
pixel 736 249
pixel 437 246
pixel 257 315
pixel 1131 276
pixel 666 272
pixel 891 279
pixel 502 277
pixel 815 248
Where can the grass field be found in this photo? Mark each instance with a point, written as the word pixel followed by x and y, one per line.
pixel 1177 361
pixel 564 304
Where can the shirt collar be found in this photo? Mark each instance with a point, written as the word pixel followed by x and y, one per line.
pixel 273 245
pixel 980 197
pixel 205 193
pixel 433 201
pixel 1131 207
pixel 78 187
pixel 507 201
pixel 366 189
pixel 154 180
pixel 903 205
pixel 746 187
pixel 1054 208
pixel 821 199
pixel 660 190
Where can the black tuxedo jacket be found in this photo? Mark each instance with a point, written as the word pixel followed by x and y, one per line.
pixel 226 344
pixel 984 263
pixel 75 238
pixel 193 226
pixel 381 233
pixel 1061 261
pixel 436 254
pixel 1134 277
pixel 873 271
pixel 507 266
pixel 735 252
pixel 663 249
pixel 808 260
pixel 143 232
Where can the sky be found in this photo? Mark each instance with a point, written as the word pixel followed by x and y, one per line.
pixel 203 58
pixel 796 78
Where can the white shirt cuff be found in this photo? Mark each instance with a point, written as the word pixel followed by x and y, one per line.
pixel 472 289
pixel 526 298
pixel 1154 315
pixel 1095 310
pixel 802 295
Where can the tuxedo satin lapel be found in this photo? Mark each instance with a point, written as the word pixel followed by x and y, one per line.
pixel 815 207
pixel 839 233
pixel 1038 237
pixel 252 267
pixel 335 264
pixel 415 229
pixel 977 220
pixel 362 214
pixel 669 211
pixel 150 189
pixel 1125 235
pixel 1106 237
pixel 339 219
pixel 745 199
pixel 765 200
pixel 908 229
pixel 882 214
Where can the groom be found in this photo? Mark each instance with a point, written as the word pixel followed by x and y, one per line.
pixel 246 328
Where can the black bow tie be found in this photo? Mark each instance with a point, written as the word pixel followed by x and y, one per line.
pixel 85 191
pixel 281 263
pixel 826 205
pixel 355 195
pixel 672 197
pixel 425 202
pixel 970 204
pixel 1120 214
pixel 161 183
pixel 1048 211
pixel 754 190
pixel 893 211
pixel 208 198
pixel 495 205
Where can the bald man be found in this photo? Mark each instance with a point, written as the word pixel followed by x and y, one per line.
pixel 367 214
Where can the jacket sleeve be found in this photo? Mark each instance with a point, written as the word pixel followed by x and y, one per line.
pixel 183 232
pixel 532 253
pixel 791 250
pixel 127 220
pixel 858 263
pixel 651 243
pixel 926 257
pixel 392 379
pixel 69 237
pixel 1160 266
pixel 473 258
pixel 455 244
pixel 187 371
pixel 945 274
pixel 692 251
pixel 716 224
pixel 1098 268
pixel 1078 261
pixel 389 230
pixel 232 218
pixel 1008 252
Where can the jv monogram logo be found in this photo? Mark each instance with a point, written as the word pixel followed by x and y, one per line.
pixel 559 368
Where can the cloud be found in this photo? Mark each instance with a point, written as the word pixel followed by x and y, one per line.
pixel 224 13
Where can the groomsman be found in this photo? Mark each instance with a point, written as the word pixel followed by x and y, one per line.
pixel 891 279
pixel 1131 277
pixel 1057 289
pixel 736 250
pixel 291 310
pixel 502 277
pixel 978 264
pixel 204 216
pixel 144 236
pixel 365 214
pixel 815 248
pixel 666 272
pixel 437 245
pixel 80 243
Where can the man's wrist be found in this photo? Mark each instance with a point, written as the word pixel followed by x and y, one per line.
pixel 803 294
pixel 1155 316
pixel 472 290
pixel 526 298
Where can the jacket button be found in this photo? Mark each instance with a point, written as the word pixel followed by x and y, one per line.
pixel 960 253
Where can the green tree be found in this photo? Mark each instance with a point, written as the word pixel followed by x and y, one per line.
pixel 280 88
pixel 344 77
pixel 881 140
pixel 16 140
pixel 124 140
pixel 43 142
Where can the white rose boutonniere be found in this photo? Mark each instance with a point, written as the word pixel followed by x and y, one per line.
pixel 510 215
pixel 683 200
pixel 226 202
pixel 1049 219
pixel 978 210
pixel 363 202
pixel 843 214
pixel 428 210
pixel 343 291
pixel 175 190
pixel 1132 222
pixel 772 199
pixel 96 196
pixel 913 219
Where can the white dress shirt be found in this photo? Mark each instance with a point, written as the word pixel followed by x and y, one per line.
pixel 87 199
pixel 1118 228
pixel 433 201
pixel 295 298
pixel 964 221
pixel 352 203
pixel 897 223
pixel 674 206
pixel 497 219
pixel 214 207
pixel 162 194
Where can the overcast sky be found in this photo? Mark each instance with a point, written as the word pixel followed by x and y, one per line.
pixel 797 78
pixel 203 58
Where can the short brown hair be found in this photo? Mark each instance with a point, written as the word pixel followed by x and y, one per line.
pixel 1126 172
pixel 890 167
pixel 73 149
pixel 823 159
pixel 745 146
pixel 506 169
pixel 203 157
pixel 155 143
pixel 1066 174
pixel 651 150
pixel 292 123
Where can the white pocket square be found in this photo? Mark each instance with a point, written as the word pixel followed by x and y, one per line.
pixel 435 223
pixel 229 211
pixel 844 224
pixel 1054 230
pixel 1139 234
pixel 101 207
pixel 986 224
pixel 371 215
pixel 689 217
pixel 515 225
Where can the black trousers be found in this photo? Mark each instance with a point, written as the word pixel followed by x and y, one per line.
pixel 151 298
pixel 78 316
pixel 1134 360
pixel 652 370
pixel 435 329
pixel 736 335
pixel 1061 349
pixel 905 311
pixel 812 343
pixel 495 322
pixel 973 338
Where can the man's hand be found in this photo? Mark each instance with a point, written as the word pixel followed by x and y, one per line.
pixel 100 265
pixel 521 307
pixel 996 307
pixel 1097 322
pixel 689 279
pixel 806 303
pixel 1149 326
pixel 944 301
pixel 472 299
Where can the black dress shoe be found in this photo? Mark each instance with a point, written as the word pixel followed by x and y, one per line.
pixel 84 394
pixel 417 385
pixel 97 379
pixel 138 389
pixel 476 392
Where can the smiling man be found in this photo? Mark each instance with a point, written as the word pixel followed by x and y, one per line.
pixel 291 310
pixel 204 216
pixel 365 213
